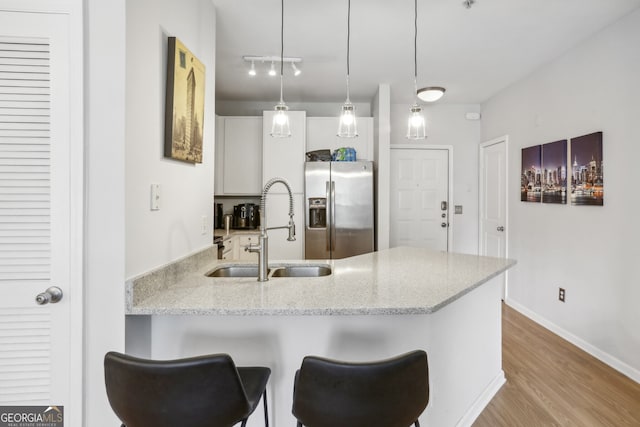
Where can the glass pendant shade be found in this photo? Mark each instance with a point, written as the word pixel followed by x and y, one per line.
pixel 280 126
pixel 416 126
pixel 347 128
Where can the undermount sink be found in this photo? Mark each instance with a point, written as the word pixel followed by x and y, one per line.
pixel 274 271
pixel 302 271
pixel 235 271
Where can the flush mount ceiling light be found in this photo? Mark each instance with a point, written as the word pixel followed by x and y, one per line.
pixel 280 126
pixel 273 60
pixel 416 127
pixel 431 93
pixel 347 127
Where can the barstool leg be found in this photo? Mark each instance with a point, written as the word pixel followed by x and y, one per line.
pixel 417 423
pixel 266 414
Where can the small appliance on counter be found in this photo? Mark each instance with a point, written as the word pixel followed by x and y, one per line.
pixel 218 216
pixel 246 216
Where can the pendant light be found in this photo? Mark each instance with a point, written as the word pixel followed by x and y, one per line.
pixel 347 128
pixel 416 127
pixel 280 126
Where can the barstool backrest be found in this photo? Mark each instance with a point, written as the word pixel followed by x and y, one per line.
pixel 386 393
pixel 203 391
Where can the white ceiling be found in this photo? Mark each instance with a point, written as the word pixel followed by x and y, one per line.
pixel 474 53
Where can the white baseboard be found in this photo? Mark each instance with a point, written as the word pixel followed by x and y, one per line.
pixel 603 356
pixel 482 401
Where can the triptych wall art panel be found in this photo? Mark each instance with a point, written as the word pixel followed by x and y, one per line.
pixel 547 177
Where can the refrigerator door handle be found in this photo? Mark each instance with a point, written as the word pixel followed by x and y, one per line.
pixel 329 220
pixel 333 217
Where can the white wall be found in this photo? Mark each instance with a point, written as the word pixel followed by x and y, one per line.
pixel 382 137
pixel 590 251
pixel 104 68
pixel 447 125
pixel 154 238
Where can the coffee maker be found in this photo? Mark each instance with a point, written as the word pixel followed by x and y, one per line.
pixel 246 216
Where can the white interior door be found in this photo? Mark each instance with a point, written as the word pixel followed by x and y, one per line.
pixel 419 198
pixel 493 198
pixel 34 208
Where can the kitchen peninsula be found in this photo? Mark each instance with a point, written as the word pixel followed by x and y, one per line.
pixel 370 307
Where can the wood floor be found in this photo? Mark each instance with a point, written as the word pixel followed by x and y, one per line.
pixel 550 382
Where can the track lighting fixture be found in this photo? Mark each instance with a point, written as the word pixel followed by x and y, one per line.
pixel 296 70
pixel 252 59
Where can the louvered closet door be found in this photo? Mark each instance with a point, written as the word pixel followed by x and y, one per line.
pixel 34 208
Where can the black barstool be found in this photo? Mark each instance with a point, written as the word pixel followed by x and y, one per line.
pixel 386 393
pixel 204 391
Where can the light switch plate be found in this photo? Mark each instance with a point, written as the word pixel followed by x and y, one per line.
pixel 155 197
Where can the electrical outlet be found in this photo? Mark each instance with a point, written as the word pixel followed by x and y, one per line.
pixel 203 225
pixel 561 294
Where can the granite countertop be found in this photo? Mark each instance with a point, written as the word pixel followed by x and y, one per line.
pixel 393 281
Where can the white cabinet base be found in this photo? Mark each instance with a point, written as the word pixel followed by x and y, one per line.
pixel 462 341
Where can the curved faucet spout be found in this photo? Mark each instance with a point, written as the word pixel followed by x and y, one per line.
pixel 262 247
pixel 263 203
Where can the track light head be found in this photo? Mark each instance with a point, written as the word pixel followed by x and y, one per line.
pixel 296 70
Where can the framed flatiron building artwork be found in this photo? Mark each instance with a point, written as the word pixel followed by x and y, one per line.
pixel 184 109
pixel 587 182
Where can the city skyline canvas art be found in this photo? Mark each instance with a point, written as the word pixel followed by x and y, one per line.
pixel 531 175
pixel 587 181
pixel 553 178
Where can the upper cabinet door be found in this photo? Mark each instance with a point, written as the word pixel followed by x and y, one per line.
pixel 239 155
pixel 285 157
pixel 322 134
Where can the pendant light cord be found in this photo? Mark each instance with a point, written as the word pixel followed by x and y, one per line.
pixel 348 43
pixel 415 49
pixel 281 47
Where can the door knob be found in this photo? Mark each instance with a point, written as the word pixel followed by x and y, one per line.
pixel 443 225
pixel 51 295
pixel 501 228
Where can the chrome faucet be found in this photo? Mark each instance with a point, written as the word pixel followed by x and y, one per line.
pixel 262 247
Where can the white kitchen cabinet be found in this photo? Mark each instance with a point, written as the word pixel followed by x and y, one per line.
pixel 230 249
pixel 278 215
pixel 321 134
pixel 285 157
pixel 238 156
pixel 245 240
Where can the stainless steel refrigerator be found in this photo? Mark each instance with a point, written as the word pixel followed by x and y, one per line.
pixel 338 209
